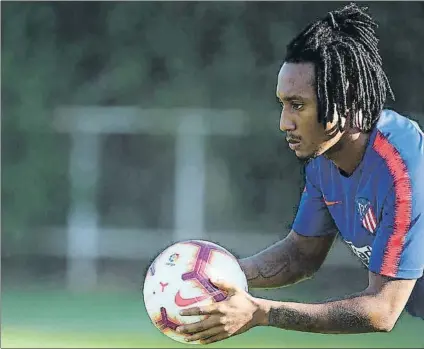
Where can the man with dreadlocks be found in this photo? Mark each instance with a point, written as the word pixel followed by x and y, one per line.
pixel 362 181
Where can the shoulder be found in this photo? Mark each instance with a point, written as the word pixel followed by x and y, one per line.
pixel 398 146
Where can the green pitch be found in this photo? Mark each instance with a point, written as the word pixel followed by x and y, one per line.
pixel 103 320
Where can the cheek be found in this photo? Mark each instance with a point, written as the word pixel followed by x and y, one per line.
pixel 316 140
pixel 329 143
pixel 315 134
pixel 308 123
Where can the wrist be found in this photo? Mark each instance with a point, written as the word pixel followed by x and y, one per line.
pixel 262 312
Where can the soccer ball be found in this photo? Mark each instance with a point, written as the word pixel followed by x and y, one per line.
pixel 179 278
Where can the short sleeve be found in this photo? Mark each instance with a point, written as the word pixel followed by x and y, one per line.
pixel 313 217
pixel 398 249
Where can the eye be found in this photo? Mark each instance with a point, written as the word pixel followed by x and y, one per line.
pixel 297 106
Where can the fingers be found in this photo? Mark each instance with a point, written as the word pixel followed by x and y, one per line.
pixel 205 310
pixel 200 326
pixel 206 334
pixel 218 337
pixel 224 285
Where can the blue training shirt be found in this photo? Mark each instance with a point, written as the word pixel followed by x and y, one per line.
pixel 379 209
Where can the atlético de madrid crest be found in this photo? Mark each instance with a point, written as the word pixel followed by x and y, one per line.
pixel 367 215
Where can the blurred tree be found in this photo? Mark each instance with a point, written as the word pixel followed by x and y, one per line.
pixel 166 54
pixel 33 176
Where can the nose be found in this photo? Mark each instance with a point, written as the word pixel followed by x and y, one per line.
pixel 286 123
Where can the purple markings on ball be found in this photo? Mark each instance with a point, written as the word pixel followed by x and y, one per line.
pixel 152 269
pixel 164 322
pixel 199 271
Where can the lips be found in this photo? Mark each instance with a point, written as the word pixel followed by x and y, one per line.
pixel 293 143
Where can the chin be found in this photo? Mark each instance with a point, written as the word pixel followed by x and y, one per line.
pixel 305 156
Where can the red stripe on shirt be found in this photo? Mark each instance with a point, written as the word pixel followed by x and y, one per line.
pixel 403 204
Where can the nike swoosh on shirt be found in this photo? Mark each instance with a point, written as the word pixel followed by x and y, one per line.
pixel 331 203
pixel 185 302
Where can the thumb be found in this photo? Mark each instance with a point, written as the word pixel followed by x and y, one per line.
pixel 224 285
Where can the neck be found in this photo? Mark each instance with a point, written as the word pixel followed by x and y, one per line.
pixel 348 152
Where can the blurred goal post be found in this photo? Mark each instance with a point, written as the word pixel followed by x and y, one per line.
pixel 85 125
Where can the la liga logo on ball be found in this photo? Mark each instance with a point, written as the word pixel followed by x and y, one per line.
pixel 173 258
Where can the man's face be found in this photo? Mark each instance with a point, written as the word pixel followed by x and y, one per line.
pixel 299 116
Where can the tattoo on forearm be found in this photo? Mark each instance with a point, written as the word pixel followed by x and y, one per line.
pixel 290 319
pixel 347 318
pixel 339 319
pixel 287 262
pixel 292 264
pixel 271 268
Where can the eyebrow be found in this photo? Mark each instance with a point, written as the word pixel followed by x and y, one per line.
pixel 291 98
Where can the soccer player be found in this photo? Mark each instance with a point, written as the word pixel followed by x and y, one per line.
pixel 363 181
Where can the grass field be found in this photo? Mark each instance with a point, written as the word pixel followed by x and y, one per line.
pixel 47 319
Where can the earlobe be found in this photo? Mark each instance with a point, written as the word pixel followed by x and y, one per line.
pixel 333 130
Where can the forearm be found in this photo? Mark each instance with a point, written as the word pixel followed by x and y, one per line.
pixel 279 265
pixel 359 313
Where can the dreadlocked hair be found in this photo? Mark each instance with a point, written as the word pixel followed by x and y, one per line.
pixel 348 67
